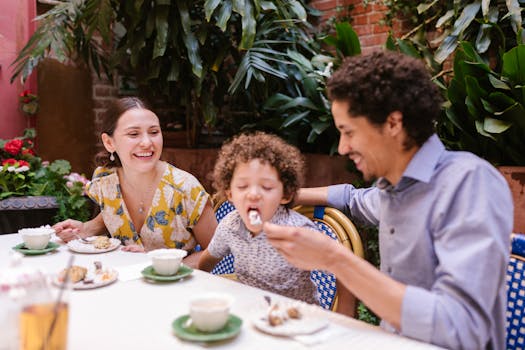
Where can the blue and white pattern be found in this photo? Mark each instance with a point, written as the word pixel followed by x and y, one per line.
pixel 325 282
pixel 516 294
pixel 224 266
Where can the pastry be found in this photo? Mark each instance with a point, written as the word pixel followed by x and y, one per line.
pixel 255 218
pixel 101 242
pixel 76 274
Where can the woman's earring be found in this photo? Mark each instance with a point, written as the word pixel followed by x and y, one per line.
pixel 112 156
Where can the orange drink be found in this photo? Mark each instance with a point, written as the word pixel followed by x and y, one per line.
pixel 35 323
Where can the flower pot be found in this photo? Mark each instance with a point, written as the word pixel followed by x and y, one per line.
pixel 32 211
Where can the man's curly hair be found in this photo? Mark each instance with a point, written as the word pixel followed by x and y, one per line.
pixel 269 149
pixel 382 82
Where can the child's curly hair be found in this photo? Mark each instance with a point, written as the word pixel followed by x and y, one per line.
pixel 269 149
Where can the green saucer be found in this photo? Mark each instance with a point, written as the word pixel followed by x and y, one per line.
pixel 150 273
pixel 190 332
pixel 22 249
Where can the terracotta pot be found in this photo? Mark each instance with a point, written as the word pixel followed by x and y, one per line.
pixel 515 176
pixel 21 212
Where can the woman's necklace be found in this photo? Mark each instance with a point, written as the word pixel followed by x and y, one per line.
pixel 144 195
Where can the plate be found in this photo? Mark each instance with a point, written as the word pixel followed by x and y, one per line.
pixel 150 273
pixel 307 324
pixel 190 332
pixel 107 276
pixel 22 249
pixel 79 247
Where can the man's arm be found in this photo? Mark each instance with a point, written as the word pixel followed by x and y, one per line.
pixel 312 196
pixel 310 251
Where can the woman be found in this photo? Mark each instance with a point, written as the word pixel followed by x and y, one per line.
pixel 145 202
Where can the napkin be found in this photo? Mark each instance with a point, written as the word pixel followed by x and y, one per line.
pixel 331 332
pixel 131 272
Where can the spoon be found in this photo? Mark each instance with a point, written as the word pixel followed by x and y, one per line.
pixel 82 239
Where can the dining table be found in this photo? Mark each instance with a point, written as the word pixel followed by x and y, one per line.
pixel 136 313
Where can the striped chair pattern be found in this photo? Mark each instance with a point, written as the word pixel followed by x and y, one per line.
pixel 516 294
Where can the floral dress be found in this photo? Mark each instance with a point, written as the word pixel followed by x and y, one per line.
pixel 176 207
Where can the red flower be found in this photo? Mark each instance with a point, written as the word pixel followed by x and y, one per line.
pixel 9 161
pixel 28 151
pixel 13 146
pixel 22 163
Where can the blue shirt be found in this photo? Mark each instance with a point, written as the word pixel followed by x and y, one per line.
pixel 444 231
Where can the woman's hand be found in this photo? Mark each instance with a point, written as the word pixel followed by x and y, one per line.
pixel 69 229
pixel 134 248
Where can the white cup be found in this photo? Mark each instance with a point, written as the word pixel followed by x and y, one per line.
pixel 209 312
pixel 166 262
pixel 36 238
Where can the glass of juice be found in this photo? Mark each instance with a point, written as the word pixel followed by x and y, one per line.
pixel 44 326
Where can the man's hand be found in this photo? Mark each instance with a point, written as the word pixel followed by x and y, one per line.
pixel 302 247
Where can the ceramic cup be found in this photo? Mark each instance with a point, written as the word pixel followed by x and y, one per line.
pixel 166 262
pixel 36 238
pixel 209 312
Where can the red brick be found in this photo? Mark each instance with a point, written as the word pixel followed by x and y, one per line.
pixel 375 17
pixel 359 20
pixel 104 91
pixel 373 40
pixel 364 30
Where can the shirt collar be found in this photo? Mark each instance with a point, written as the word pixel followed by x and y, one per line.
pixel 422 165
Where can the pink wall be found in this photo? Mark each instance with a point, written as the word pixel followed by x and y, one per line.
pixel 15 27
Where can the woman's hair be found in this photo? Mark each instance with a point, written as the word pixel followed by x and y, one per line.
pixel 109 122
pixel 269 149
pixel 378 84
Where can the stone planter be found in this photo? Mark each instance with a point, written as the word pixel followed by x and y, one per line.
pixel 20 212
pixel 515 176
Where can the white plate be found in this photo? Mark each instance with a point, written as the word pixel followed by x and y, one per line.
pixel 79 247
pixel 307 324
pixel 107 276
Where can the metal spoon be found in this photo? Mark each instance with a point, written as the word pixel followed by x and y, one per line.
pixel 82 239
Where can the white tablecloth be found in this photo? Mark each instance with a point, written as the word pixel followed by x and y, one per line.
pixel 133 313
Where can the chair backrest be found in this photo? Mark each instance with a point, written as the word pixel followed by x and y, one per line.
pixel 338 226
pixel 225 266
pixel 516 293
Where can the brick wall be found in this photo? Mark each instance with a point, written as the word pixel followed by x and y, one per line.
pixel 364 19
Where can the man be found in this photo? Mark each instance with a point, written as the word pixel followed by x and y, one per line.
pixel 444 217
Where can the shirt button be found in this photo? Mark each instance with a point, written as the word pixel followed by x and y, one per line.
pixel 392 231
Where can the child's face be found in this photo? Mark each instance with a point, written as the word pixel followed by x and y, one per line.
pixel 256 186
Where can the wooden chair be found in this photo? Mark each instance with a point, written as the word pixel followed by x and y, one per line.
pixel 516 294
pixel 338 226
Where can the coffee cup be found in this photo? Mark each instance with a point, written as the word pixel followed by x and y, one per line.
pixel 166 262
pixel 36 238
pixel 209 312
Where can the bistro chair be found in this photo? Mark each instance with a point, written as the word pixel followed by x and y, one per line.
pixel 516 293
pixel 225 266
pixel 337 226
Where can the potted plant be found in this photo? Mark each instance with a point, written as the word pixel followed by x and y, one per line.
pixel 33 192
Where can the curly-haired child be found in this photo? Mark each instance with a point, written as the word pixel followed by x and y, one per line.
pixel 260 174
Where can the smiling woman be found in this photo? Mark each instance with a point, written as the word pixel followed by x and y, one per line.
pixel 144 202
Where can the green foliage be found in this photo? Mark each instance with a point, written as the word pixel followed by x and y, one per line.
pixel 485 111
pixel 198 57
pixel 364 314
pixel 302 111
pixel 24 174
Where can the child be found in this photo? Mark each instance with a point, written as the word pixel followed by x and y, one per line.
pixel 260 174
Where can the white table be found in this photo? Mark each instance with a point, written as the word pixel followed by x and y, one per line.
pixel 136 314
